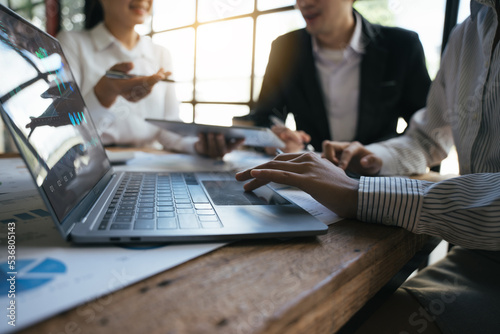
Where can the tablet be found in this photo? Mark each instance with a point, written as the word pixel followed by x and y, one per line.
pixel 254 136
pixel 119 157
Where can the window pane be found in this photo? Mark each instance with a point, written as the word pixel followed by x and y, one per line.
pixel 14 4
pixel 463 10
pixel 257 86
pixel 72 16
pixel 376 11
pixel 227 90
pixel 24 13
pixel 184 90
pixel 170 14
pixel 270 4
pixel 223 61
pixel 209 10
pixel 186 112
pixel 145 28
pixel 408 14
pixel 180 43
pixel 219 114
pixel 38 16
pixel 269 27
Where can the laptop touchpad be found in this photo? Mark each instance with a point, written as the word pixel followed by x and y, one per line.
pixel 229 192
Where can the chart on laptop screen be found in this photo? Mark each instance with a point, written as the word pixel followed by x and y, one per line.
pixel 41 103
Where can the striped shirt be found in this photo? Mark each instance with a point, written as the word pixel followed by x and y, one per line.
pixel 463 108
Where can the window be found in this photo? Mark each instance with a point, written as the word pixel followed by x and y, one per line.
pixel 72 17
pixel 220 50
pixel 34 11
pixel 409 14
pixel 463 11
pixel 37 12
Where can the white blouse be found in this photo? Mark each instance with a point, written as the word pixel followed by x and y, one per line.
pixel 90 53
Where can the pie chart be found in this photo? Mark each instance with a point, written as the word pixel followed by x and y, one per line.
pixel 31 273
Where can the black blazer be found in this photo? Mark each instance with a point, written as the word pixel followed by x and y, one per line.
pixel 394 83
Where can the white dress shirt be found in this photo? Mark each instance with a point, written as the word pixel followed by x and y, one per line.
pixel 463 108
pixel 339 74
pixel 90 53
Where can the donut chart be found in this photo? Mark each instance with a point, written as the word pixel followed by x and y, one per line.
pixel 31 273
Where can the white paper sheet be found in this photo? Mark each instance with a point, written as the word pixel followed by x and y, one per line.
pixel 305 201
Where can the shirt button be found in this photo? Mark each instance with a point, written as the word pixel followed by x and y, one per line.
pixel 387 220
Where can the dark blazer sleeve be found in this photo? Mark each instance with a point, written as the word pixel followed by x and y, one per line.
pixel 394 82
pixel 291 86
pixel 279 70
pixel 417 81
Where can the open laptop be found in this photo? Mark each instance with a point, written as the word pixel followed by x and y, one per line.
pixel 44 111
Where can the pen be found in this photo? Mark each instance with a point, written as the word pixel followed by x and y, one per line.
pixel 278 122
pixel 121 75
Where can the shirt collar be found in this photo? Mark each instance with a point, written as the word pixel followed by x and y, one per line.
pixel 476 5
pixel 102 39
pixel 356 44
pixel 486 2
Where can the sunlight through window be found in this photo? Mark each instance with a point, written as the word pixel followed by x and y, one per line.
pixel 223 61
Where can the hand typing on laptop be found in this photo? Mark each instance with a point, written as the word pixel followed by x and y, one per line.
pixel 324 181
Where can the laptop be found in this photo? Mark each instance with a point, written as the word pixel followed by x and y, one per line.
pixel 89 201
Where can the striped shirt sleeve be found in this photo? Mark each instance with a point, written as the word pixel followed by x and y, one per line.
pixel 464 210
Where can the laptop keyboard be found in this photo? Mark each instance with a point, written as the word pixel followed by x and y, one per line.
pixel 149 201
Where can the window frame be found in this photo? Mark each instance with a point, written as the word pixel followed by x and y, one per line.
pixel 53 25
pixel 254 16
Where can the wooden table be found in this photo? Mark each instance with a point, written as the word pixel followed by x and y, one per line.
pixel 300 285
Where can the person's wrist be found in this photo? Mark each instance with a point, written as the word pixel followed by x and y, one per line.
pixel 352 199
pixel 342 198
pixel 104 93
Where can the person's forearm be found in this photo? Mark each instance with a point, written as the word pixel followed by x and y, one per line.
pixel 105 93
pixel 462 210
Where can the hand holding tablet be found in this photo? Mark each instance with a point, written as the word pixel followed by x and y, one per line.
pixel 254 136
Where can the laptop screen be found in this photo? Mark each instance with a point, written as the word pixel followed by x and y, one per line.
pixel 45 112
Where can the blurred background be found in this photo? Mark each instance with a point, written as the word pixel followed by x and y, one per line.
pixel 220 48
